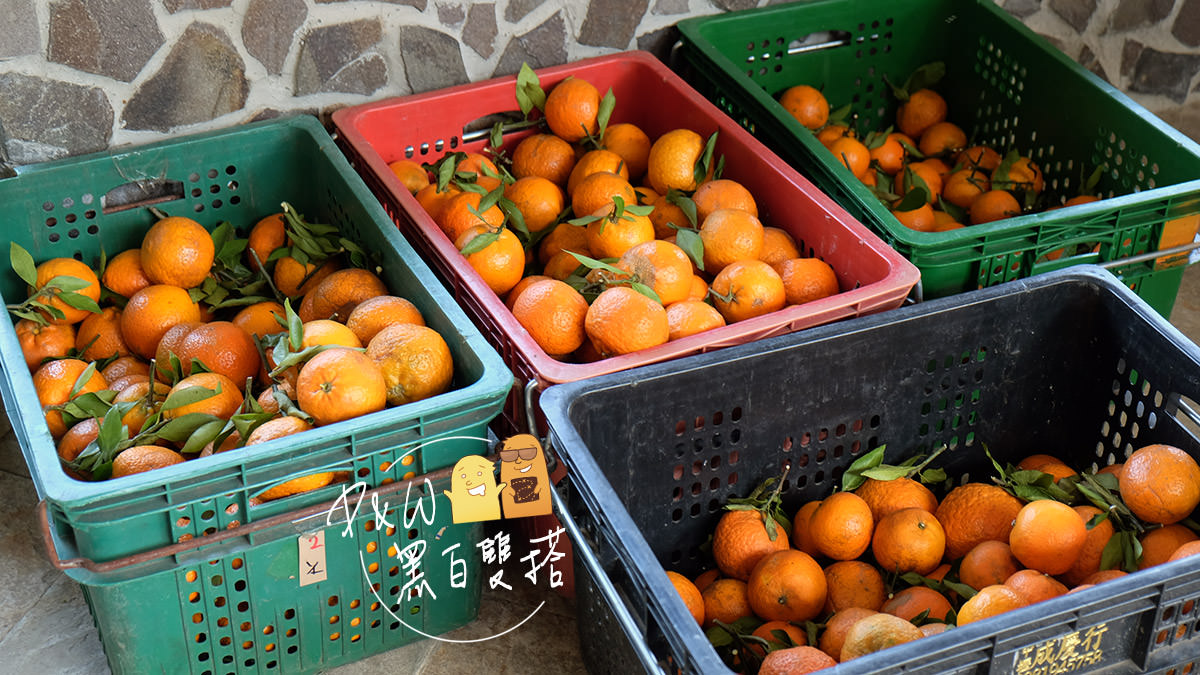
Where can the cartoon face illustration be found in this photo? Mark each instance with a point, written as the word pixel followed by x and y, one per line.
pixel 523 469
pixel 474 494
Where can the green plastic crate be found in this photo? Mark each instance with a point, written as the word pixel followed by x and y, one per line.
pixel 1005 86
pixel 243 610
pixel 75 207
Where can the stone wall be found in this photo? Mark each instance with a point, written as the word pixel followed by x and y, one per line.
pixel 83 75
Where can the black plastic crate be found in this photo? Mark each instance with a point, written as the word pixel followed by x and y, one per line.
pixel 1070 361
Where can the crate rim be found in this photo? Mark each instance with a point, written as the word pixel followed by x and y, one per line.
pixel 61 490
pixel 646 571
pixel 550 371
pixel 689 29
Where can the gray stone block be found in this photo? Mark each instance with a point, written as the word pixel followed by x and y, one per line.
pixel 432 59
pixel 202 78
pixel 419 4
pixel 337 58
pixel 1075 12
pixel 1164 73
pixel 734 5
pixel 668 7
pixel 1131 14
pixel 519 9
pixel 174 6
pixel 46 119
pixel 1130 52
pixel 19 32
pixel 268 28
pixel 451 15
pixel 1187 23
pixel 114 38
pixel 1021 8
pixel 479 33
pixel 543 46
pixel 611 23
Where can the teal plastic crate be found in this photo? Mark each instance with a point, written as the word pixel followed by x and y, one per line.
pixel 82 206
pixel 241 609
pixel 1005 86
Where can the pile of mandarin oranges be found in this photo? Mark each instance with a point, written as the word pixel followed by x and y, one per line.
pixel 924 168
pixel 188 345
pixel 886 561
pixel 604 241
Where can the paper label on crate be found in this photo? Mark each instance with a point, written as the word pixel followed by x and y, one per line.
pixel 312 558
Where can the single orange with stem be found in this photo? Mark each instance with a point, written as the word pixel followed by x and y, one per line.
pixel 852 154
pixel 44 341
pixel 615 231
pixel 151 312
pixel 339 384
pixel 741 540
pixel 690 317
pixel 726 600
pixel 598 190
pixel 500 263
pixel 415 361
pixel 842 526
pixel 1160 483
pixel 662 266
pixel 223 402
pixel 632 144
pixel 888 496
pixel 853 583
pixel 124 275
pixel 730 235
pixel 553 313
pixel 722 193
pixel 177 251
pixel 786 585
pixel 621 320
pixel 987 563
pixel 59 381
pixel 911 602
pixel 673 161
pixel 747 289
pixel 923 109
pixel 691 596
pixel 807 104
pixel 975 512
pixel 988 602
pixel 571 109
pixel 1047 536
pixel 538 199
pixel 909 540
pixel 994 205
pixel 544 155
pixel 52 295
pixel 807 279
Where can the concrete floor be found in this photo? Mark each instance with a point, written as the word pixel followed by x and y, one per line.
pixel 45 626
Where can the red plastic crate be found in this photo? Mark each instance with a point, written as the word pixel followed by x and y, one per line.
pixel 423 127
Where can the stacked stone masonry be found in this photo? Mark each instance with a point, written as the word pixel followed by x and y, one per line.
pixel 84 75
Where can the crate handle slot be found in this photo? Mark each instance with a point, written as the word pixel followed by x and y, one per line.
pixel 606 587
pixel 479 129
pixel 139 193
pixel 222 535
pixel 1188 411
pixel 818 41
